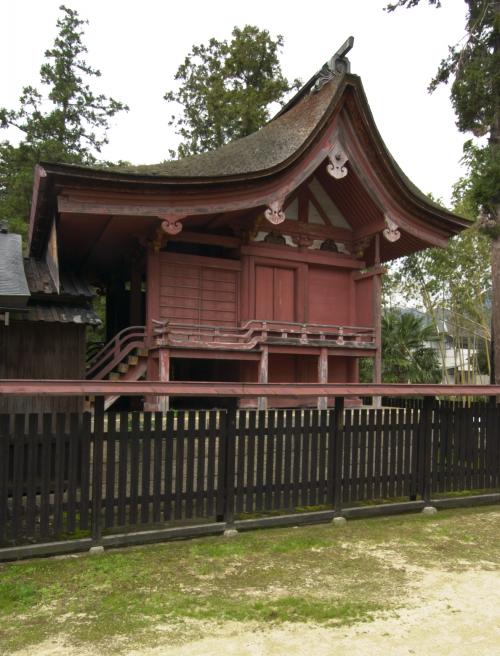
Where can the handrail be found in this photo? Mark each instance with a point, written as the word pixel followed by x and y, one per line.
pixel 253 332
pixel 115 351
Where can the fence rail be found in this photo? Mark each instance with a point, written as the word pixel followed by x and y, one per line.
pixel 65 476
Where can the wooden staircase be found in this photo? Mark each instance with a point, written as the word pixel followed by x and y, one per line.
pixel 124 358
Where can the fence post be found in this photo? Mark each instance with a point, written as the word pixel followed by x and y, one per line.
pixel 425 443
pixel 338 425
pixel 97 466
pixel 227 453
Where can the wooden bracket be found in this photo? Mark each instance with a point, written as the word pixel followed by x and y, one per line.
pixel 391 232
pixel 338 158
pixel 359 246
pixel 172 223
pixel 302 240
pixel 274 213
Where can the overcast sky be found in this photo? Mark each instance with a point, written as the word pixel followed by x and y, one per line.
pixel 139 45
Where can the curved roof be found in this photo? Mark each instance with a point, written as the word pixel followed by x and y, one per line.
pixel 265 149
pixel 251 165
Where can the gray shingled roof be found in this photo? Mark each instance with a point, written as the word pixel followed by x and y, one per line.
pixel 14 291
pixel 270 146
pixel 40 281
pixel 57 313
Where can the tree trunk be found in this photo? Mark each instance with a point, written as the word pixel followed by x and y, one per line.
pixel 495 242
pixel 495 307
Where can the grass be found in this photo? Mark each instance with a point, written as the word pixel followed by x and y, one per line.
pixel 308 574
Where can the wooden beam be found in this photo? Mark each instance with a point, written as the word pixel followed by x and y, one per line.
pixel 260 249
pixel 382 196
pixel 207 238
pixel 25 387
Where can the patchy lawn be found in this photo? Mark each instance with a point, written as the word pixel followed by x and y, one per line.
pixel 263 583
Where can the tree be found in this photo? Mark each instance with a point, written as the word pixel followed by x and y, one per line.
pixel 473 67
pixel 67 124
pixel 408 358
pixel 453 287
pixel 226 89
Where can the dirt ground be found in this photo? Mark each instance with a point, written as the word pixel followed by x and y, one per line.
pixel 445 613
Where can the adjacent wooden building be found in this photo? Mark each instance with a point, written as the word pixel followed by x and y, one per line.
pixel 260 261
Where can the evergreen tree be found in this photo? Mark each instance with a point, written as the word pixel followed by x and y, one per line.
pixel 68 123
pixel 473 67
pixel 226 89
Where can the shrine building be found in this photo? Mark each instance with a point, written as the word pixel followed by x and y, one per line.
pixel 259 261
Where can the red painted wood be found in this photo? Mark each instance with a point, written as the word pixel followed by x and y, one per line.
pixel 293 255
pixel 199 292
pixel 264 298
pixel 284 294
pixel 133 388
pixel 329 298
pixel 364 301
pixel 276 289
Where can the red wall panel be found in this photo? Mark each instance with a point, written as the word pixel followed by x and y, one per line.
pixel 191 292
pixel 364 302
pixel 330 297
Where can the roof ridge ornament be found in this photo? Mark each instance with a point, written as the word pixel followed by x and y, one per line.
pixel 337 65
pixel 338 158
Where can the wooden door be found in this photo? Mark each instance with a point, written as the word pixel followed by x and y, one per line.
pixel 275 293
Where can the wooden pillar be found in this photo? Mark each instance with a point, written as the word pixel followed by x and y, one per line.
pixel 323 376
pixel 377 321
pixel 152 312
pixel 263 375
pixel 152 287
pixel 135 317
pixel 164 376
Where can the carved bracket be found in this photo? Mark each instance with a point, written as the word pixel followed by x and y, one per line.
pixel 302 240
pixel 329 245
pixel 391 232
pixel 359 247
pixel 171 223
pixel 275 237
pixel 274 213
pixel 338 158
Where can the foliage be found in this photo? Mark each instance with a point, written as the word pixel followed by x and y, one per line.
pixel 473 67
pixel 407 357
pixel 226 89
pixel 453 286
pixel 67 124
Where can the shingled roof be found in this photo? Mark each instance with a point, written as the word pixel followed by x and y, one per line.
pixel 14 291
pixel 263 150
pixel 28 291
pixel 246 165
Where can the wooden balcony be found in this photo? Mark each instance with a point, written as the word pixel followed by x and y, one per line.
pixel 253 334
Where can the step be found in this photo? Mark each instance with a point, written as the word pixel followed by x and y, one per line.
pixel 123 368
pixel 114 375
pixel 132 360
pixel 142 352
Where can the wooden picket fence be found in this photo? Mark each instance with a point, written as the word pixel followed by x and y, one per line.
pixel 66 476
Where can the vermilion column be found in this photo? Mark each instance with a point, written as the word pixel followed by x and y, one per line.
pixel 377 320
